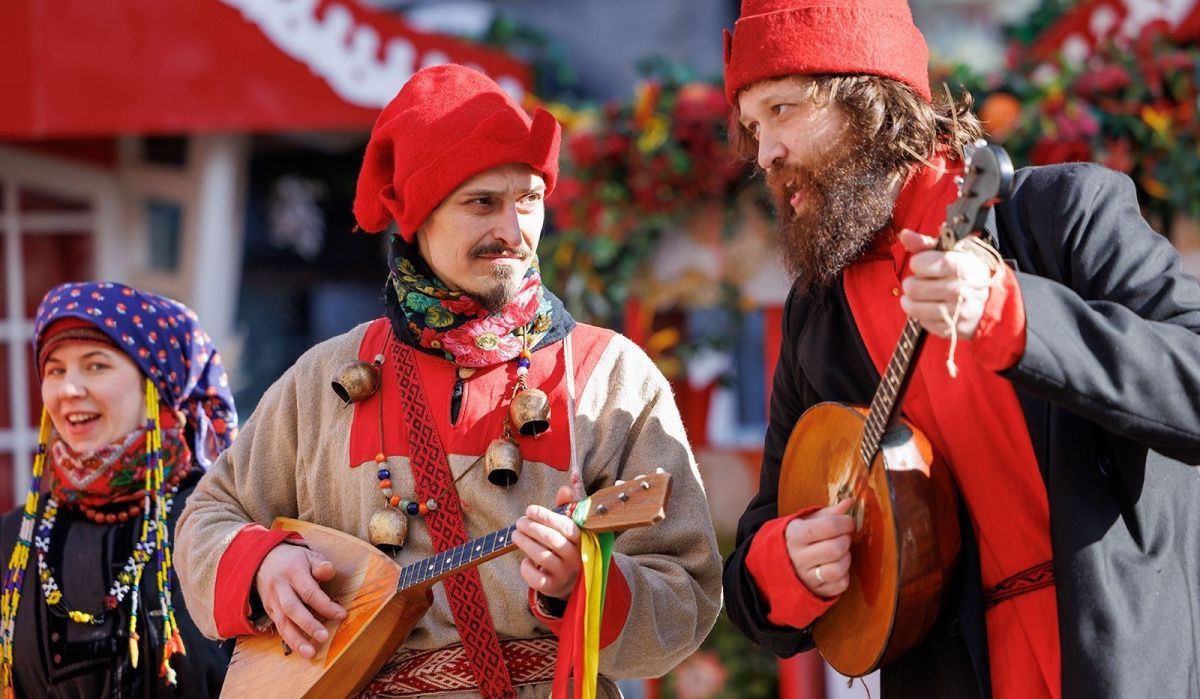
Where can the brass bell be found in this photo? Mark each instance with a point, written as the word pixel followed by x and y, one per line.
pixel 357 380
pixel 388 528
pixel 502 462
pixel 529 412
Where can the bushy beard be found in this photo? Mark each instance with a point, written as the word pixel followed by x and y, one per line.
pixel 505 281
pixel 847 200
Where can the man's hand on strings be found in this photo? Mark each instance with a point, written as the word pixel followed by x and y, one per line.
pixel 819 548
pixel 550 542
pixel 288 585
pixel 938 279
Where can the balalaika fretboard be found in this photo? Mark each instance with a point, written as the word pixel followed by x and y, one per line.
pixel 450 561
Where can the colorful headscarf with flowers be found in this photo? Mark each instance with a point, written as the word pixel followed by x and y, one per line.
pixel 165 340
pixel 455 324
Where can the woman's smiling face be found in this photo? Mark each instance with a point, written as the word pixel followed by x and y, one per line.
pixel 93 394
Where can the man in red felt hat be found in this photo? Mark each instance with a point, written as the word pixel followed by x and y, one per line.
pixel 1069 410
pixel 491 406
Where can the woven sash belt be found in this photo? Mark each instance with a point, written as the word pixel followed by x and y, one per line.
pixel 1028 580
pixel 412 673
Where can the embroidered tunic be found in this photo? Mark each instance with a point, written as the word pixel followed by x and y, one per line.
pixel 303 454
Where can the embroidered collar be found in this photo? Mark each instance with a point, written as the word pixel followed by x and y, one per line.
pixel 114 474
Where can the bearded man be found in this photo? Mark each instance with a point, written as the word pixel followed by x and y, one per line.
pixel 462 171
pixel 1074 409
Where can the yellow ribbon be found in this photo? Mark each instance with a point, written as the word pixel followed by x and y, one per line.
pixel 593 574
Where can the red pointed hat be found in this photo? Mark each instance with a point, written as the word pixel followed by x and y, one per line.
pixel 777 38
pixel 448 124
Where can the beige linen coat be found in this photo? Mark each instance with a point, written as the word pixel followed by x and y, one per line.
pixel 293 458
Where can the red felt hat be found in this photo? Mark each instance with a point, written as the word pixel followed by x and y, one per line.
pixel 448 124
pixel 777 38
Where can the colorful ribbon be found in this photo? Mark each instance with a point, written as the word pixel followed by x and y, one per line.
pixel 579 642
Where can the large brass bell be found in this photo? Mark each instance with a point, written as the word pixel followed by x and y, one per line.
pixel 529 412
pixel 502 463
pixel 357 380
pixel 388 528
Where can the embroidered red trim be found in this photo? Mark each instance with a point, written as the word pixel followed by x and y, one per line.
pixel 464 591
pixel 1032 578
pixel 413 673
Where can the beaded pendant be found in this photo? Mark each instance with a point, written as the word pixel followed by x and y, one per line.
pixel 389 523
pixel 529 413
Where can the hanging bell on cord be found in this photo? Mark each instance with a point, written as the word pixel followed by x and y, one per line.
pixel 357 380
pixel 388 528
pixel 529 412
pixel 502 463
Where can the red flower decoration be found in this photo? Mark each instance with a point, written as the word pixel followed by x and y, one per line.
pixel 430 338
pixel 584 149
pixel 464 307
pixel 482 343
pixel 1048 152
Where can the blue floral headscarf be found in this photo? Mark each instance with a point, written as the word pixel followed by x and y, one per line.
pixel 165 340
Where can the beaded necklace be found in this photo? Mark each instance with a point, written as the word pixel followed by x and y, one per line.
pixel 14 575
pixel 384 474
pixel 121 584
pixel 154 539
pixel 388 526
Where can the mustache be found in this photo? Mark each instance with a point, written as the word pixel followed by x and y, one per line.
pixel 495 247
pixel 784 180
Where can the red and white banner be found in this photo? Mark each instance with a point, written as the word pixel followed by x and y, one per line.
pixel 74 68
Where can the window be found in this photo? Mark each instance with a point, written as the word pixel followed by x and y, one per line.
pixel 163 231
pixel 46 238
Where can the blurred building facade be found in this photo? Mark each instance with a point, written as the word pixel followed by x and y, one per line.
pixel 127 153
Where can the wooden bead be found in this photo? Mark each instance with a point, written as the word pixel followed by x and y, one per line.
pixel 385 483
pixel 395 501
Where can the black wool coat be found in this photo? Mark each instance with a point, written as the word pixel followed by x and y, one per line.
pixel 1109 385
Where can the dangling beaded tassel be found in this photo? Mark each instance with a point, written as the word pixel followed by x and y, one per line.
pixel 172 641
pixel 14 576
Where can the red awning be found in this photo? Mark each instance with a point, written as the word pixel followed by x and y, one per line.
pixel 77 68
